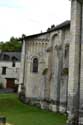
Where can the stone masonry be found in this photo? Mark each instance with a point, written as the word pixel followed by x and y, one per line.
pixel 57 83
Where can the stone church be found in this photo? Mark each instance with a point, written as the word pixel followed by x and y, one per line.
pixel 51 74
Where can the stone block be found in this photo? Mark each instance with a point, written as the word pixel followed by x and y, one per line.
pixel 62 109
pixel 54 109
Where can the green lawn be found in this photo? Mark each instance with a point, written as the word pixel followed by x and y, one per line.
pixel 18 113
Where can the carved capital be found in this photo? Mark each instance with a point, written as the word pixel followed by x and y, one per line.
pixel 49 49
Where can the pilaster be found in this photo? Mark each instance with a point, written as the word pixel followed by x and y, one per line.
pixel 22 67
pixel 81 74
pixel 74 62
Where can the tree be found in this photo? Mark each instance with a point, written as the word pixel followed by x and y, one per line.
pixel 13 45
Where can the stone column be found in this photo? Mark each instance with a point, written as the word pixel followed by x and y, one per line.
pixel 22 67
pixel 59 50
pixel 74 63
pixel 81 75
pixel 60 61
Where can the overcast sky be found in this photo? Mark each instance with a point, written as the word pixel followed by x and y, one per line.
pixel 19 17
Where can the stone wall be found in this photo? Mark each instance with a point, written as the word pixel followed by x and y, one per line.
pixel 59 81
pixel 11 72
pixel 35 82
pixel 48 90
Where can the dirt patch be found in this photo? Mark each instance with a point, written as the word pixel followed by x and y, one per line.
pixel 8 124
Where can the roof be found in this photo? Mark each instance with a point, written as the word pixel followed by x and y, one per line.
pixel 8 56
pixel 60 26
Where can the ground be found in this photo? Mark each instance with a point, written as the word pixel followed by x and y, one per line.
pixel 18 113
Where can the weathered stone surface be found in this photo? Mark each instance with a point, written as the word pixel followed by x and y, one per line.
pixel 80 1
pixel 75 65
pixel 51 88
pixel 57 90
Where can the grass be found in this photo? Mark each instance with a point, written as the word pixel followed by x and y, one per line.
pixel 18 113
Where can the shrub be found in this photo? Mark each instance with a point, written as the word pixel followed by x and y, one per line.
pixel 65 72
pixel 45 71
pixel 1 85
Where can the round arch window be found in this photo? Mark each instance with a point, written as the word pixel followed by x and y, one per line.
pixel 35 65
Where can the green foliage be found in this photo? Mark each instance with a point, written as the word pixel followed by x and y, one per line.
pixel 45 71
pixel 1 85
pixel 13 45
pixel 18 113
pixel 65 72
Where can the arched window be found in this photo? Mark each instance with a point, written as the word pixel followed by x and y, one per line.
pixel 66 51
pixel 35 65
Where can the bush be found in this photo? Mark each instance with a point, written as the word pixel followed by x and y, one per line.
pixel 45 71
pixel 1 85
pixel 16 88
pixel 65 72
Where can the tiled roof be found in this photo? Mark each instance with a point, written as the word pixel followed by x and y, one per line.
pixel 60 26
pixel 7 56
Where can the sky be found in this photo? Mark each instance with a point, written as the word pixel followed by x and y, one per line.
pixel 28 17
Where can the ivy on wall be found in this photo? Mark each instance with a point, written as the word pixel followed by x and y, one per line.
pixel 45 71
pixel 65 72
